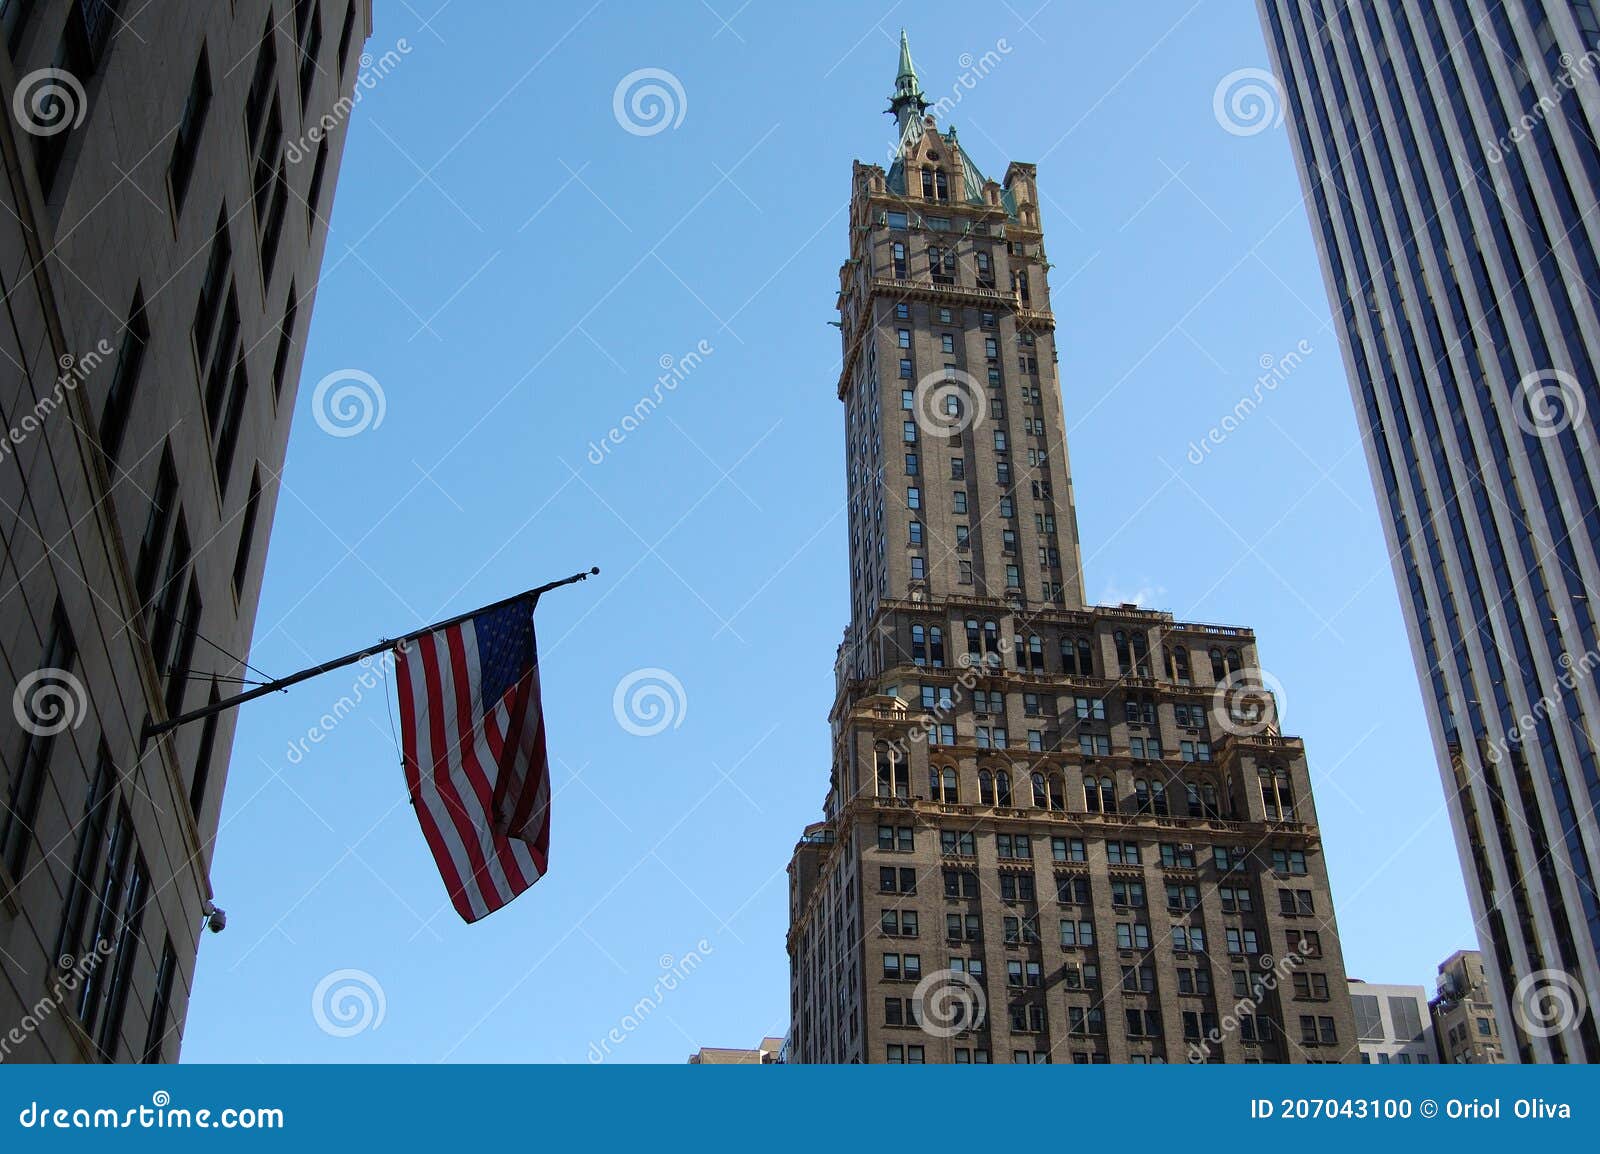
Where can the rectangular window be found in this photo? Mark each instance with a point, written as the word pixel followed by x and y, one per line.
pixel 346 35
pixel 308 34
pixel 17 833
pixel 185 149
pixel 163 504
pixel 202 759
pixel 125 381
pixel 209 305
pixel 286 327
pixel 156 1034
pixel 261 85
pixel 272 231
pixel 86 858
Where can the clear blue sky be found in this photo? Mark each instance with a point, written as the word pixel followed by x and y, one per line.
pixel 511 266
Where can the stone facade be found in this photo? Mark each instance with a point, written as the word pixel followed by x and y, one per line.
pixel 1463 1012
pixel 1053 832
pixel 165 213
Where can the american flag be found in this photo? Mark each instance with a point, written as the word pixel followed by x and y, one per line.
pixel 472 735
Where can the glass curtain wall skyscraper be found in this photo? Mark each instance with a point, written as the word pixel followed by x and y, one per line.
pixel 1447 153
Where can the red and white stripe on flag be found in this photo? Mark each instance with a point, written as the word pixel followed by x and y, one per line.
pixel 472 737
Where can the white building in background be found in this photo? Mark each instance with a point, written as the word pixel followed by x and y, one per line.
pixel 1393 1024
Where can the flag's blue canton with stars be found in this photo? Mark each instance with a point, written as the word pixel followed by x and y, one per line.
pixel 472 733
pixel 505 650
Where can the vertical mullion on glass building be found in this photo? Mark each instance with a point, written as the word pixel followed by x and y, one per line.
pixel 1447 153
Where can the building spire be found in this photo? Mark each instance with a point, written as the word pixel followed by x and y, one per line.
pixel 907 104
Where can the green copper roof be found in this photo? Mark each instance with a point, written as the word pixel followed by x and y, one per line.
pixel 908 70
pixel 907 100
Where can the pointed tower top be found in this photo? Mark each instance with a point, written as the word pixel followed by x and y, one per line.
pixel 908 70
pixel 907 104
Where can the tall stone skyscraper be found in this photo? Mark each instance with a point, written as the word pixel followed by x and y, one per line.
pixel 1447 152
pixel 1053 832
pixel 168 173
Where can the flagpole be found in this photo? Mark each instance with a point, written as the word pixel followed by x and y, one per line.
pixel 157 728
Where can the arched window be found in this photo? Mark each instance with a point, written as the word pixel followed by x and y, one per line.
pixel 1069 656
pixel 1210 805
pixel 1091 794
pixel 1141 795
pixel 974 646
pixel 1108 795
pixel 1158 797
pixel 1191 795
pixel 1041 796
pixel 1036 654
pixel 942 785
pixel 1121 640
pixel 1180 665
pixel 1235 662
pixel 1085 658
pixel 919 645
pixel 991 637
pixel 1141 655
pixel 936 646
pixel 1058 795
pixel 952 789
pixel 985 787
pixel 1218 672
pixel 1002 788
